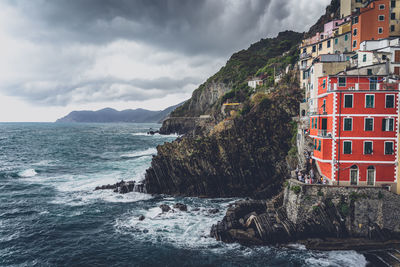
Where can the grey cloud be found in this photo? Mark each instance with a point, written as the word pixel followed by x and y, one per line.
pixel 109 89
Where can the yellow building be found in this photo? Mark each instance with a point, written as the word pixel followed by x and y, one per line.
pixel 348 6
pixel 394 22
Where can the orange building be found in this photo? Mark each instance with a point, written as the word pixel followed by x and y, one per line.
pixel 355 130
pixel 371 23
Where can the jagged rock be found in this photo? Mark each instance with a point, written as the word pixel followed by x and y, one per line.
pixel 120 187
pixel 141 217
pixel 195 209
pixel 213 211
pixel 343 213
pixel 180 206
pixel 165 207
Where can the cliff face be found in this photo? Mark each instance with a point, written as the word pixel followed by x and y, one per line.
pixel 326 213
pixel 242 156
pixel 240 67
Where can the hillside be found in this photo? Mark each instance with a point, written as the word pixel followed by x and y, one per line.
pixel 108 115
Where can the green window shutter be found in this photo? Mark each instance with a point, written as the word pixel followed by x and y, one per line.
pixel 346 147
pixel 319 145
pixel 348 101
pixel 389 101
pixel 391 124
pixel 369 124
pixel 368 147
pixel 369 99
pixel 388 148
pixel 347 124
pixel 383 124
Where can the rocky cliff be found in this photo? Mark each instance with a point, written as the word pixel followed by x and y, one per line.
pixel 244 155
pixel 232 77
pixel 322 217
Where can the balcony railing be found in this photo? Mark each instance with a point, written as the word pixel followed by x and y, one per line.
pixel 365 86
pixel 324 133
pixel 305 55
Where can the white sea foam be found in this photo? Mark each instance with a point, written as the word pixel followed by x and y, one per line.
pixel 157 135
pixel 336 258
pixel 44 163
pixel 182 229
pixel 140 153
pixel 27 173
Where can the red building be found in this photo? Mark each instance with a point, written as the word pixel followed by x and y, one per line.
pixel 355 130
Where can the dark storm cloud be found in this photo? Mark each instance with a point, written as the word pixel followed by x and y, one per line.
pixel 191 26
pixel 78 51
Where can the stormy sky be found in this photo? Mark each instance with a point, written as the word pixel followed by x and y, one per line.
pixel 62 55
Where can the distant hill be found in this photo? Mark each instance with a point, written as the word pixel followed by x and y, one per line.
pixel 107 115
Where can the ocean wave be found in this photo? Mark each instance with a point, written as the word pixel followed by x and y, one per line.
pixel 27 173
pixel 141 153
pixel 158 135
pixel 189 229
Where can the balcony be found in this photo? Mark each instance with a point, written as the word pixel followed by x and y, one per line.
pixel 305 56
pixel 324 133
pixel 365 87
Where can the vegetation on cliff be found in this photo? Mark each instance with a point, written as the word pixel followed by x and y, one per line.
pixel 234 75
pixel 244 155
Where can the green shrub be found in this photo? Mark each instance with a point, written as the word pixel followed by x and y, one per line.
pixel 320 194
pixel 296 189
pixel 286 184
pixel 316 207
pixel 344 209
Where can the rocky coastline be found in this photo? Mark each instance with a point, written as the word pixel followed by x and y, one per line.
pixel 318 216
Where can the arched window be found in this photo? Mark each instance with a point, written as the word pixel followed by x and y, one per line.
pixel 354 175
pixel 371 173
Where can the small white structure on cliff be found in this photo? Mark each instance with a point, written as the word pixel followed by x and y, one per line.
pixel 254 83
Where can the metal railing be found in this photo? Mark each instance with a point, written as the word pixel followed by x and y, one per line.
pixel 364 87
pixel 324 133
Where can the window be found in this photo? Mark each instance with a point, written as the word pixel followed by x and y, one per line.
pixel 393 3
pixel 371 175
pixel 348 124
pixel 372 83
pixel 381 17
pixel 354 175
pixel 388 148
pixel 354 32
pixel 381 7
pixel 392 28
pixel 305 50
pixel 348 101
pixel 355 20
pixel 354 43
pixel 365 58
pixel 319 145
pixel 312 123
pixel 392 15
pixel 380 30
pixel 314 49
pixel 369 72
pixel 336 41
pixel 387 124
pixel 369 124
pixel 320 46
pixel 324 106
pixel 342 81
pixel 322 36
pixel 384 57
pixel 316 124
pixel 315 144
pixel 389 101
pixel 324 84
pixel 347 147
pixel 367 147
pixel 369 101
pixel 328 44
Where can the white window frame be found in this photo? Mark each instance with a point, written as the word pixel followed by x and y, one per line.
pixel 358 175
pixel 351 147
pixel 394 100
pixel 380 30
pixel 365 124
pixel 352 101
pixel 372 148
pixel 344 124
pixel 384 147
pixel 381 7
pixel 379 17
pixel 374 176
pixel 387 124
pixel 373 106
pixel 345 81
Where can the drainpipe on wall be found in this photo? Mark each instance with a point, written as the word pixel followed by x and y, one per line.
pixel 340 127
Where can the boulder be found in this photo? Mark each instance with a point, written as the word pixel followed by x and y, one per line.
pixel 180 206
pixel 165 207
pixel 213 211
pixel 141 217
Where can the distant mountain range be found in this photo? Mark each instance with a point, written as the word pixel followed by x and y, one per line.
pixel 107 115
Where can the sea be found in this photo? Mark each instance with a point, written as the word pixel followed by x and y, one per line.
pixel 50 214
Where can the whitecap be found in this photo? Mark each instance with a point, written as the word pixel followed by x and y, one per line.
pixel 140 153
pixel 27 173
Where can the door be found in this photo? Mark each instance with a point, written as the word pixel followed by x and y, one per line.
pixel 371 176
pixel 324 124
pixel 353 176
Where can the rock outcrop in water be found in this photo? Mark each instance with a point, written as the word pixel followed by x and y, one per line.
pixel 123 187
pixel 321 217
